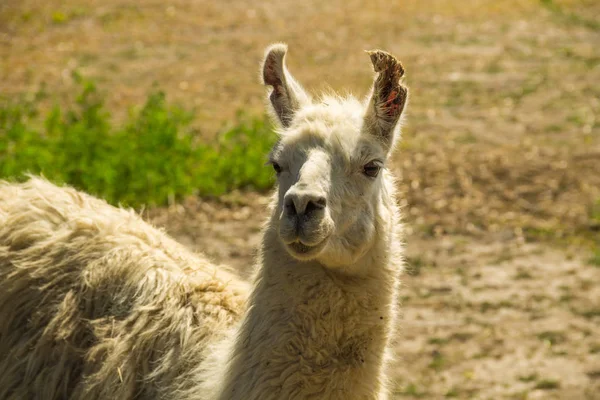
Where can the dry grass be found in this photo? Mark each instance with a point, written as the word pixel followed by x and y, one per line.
pixel 526 191
pixel 502 144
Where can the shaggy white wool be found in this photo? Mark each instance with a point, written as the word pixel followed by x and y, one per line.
pixel 97 304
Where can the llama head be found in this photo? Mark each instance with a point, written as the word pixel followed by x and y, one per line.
pixel 333 187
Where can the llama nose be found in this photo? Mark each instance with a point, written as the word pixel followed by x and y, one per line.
pixel 303 203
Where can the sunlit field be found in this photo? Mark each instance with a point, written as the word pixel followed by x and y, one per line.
pixel 158 106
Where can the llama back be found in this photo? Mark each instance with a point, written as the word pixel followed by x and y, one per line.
pixel 96 303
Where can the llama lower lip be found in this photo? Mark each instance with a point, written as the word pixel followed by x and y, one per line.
pixel 300 247
pixel 302 250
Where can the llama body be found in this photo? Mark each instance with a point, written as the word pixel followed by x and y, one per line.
pixel 101 306
pixel 97 304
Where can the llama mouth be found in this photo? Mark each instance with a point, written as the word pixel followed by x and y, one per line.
pixel 300 248
pixel 303 251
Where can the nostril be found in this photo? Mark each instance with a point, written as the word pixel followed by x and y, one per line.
pixel 321 202
pixel 316 204
pixel 290 207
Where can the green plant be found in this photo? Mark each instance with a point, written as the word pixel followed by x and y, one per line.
pixel 528 378
pixel 547 384
pixel 411 390
pixel 570 17
pixel 154 157
pixel 595 258
pixel 552 337
pixel 438 361
pixel 595 224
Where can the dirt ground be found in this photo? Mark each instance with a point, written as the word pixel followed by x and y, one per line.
pixel 499 166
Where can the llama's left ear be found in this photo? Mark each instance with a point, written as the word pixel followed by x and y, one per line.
pixel 287 96
pixel 388 98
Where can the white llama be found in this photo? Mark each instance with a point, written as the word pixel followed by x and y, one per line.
pixel 96 304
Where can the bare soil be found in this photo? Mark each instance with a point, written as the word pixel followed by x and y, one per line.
pixel 499 165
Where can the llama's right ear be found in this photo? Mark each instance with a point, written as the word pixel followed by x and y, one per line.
pixel 286 95
pixel 387 99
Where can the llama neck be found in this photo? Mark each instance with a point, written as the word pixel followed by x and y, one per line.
pixel 312 331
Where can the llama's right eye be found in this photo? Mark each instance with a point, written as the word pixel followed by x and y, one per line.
pixel 372 168
pixel 276 167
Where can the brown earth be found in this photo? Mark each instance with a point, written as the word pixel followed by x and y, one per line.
pixel 499 166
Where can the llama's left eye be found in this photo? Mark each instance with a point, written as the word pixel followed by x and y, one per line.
pixel 276 167
pixel 372 169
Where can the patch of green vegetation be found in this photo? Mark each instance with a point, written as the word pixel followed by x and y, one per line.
pixel 414 265
pixel 438 362
pixel 528 378
pixel 540 297
pixel 438 340
pixel 411 390
pixel 570 17
pixel 529 87
pixel 467 138
pixel 495 66
pixel 462 336
pixel 503 257
pixel 560 353
pixel 522 395
pixel 26 16
pixel 547 384
pixel 489 306
pixel 59 17
pixel 589 61
pixel 595 214
pixel 565 298
pixel 523 274
pixel 541 234
pixel 153 158
pixel 595 374
pixel 552 337
pixel 554 128
pixel 589 313
pixel 595 225
pixel 595 258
